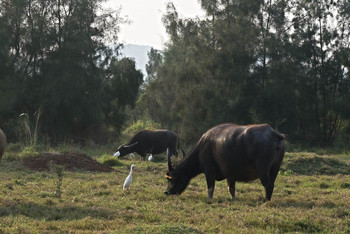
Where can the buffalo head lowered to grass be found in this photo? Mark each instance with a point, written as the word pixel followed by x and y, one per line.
pixel 150 141
pixel 232 152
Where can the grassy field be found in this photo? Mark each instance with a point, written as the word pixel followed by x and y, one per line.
pixel 311 194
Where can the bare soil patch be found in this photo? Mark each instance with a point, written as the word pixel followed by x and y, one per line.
pixel 70 162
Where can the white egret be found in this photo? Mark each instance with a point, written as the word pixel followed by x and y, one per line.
pixel 128 179
pixel 150 158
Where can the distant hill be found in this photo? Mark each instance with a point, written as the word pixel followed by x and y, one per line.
pixel 139 53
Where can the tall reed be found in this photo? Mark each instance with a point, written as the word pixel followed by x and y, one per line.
pixel 30 129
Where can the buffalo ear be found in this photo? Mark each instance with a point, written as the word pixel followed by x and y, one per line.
pixel 127 146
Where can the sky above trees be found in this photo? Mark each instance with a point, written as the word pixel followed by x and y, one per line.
pixel 146 26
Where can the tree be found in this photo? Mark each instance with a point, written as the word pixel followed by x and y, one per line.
pixel 321 84
pixel 155 60
pixel 121 90
pixel 275 61
pixel 56 56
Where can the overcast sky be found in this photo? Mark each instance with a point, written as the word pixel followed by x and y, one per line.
pixel 146 27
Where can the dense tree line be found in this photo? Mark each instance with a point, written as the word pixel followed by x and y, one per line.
pixel 285 63
pixel 56 59
pixel 281 62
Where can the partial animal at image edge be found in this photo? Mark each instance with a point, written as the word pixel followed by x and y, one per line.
pixel 3 143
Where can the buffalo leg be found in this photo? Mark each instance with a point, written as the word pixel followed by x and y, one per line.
pixel 143 156
pixel 172 151
pixel 268 185
pixel 231 187
pixel 276 167
pixel 169 153
pixel 211 186
pixel 274 172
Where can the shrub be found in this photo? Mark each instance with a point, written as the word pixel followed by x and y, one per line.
pixel 29 151
pixel 110 161
pixel 138 126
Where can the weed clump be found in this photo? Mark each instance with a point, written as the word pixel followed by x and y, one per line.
pixel 345 185
pixel 110 161
pixel 59 171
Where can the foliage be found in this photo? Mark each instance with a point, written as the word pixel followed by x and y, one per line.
pixel 285 63
pixel 59 171
pixel 55 57
pixel 109 160
pixel 124 82
pixel 30 130
pixel 155 60
pixel 138 126
pixel 29 151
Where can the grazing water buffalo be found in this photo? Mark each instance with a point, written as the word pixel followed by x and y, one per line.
pixel 2 143
pixel 150 141
pixel 232 152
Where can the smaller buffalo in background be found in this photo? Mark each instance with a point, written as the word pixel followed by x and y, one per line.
pixel 233 152
pixel 152 142
pixel 2 143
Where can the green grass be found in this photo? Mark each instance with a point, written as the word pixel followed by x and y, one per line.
pixel 302 202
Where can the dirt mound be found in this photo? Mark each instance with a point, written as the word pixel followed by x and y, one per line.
pixel 70 161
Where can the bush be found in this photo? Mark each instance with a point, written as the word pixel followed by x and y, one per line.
pixel 110 161
pixel 29 151
pixel 138 126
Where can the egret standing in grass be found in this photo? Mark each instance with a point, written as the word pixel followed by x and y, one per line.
pixel 128 179
pixel 150 158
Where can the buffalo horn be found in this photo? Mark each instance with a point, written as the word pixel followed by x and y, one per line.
pixel 168 177
pixel 127 146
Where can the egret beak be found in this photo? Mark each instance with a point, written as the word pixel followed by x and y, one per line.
pixel 116 154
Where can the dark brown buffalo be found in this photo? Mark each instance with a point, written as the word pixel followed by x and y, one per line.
pixel 150 141
pixel 232 152
pixel 2 143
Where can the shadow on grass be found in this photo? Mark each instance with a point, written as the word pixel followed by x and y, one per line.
pixel 50 213
pixel 293 204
